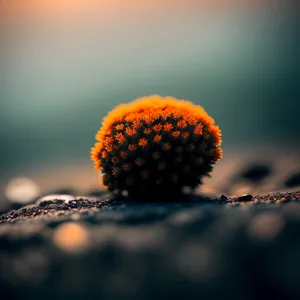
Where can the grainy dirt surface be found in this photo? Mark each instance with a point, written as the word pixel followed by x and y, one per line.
pixel 235 241
pixel 106 248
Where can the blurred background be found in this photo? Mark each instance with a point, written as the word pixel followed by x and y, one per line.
pixel 64 64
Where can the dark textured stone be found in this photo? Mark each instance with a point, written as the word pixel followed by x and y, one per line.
pixel 245 198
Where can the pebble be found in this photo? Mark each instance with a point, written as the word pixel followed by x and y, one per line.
pixel 245 197
pixel 54 199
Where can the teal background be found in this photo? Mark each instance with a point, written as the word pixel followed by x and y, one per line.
pixel 59 80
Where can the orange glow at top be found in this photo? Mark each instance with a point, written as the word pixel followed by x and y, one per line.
pixel 23 7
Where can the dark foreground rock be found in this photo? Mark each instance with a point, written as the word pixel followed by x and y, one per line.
pixel 103 248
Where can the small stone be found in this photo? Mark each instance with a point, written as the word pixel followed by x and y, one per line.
pixel 73 203
pixel 54 199
pixel 245 197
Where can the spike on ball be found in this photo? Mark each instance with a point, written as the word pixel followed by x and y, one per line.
pixel 137 148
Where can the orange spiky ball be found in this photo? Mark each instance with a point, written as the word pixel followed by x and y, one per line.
pixel 156 145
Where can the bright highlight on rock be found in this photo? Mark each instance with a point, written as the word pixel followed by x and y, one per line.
pixel 156 145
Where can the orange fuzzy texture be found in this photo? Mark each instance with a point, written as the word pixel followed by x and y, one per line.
pixel 143 142
pixel 150 108
pixel 157 138
pixel 176 133
pixel 120 127
pixel 147 110
pixel 198 129
pixel 168 127
pixel 130 131
pixel 120 138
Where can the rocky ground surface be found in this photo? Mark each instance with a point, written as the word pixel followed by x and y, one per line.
pixel 72 248
pixel 235 241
